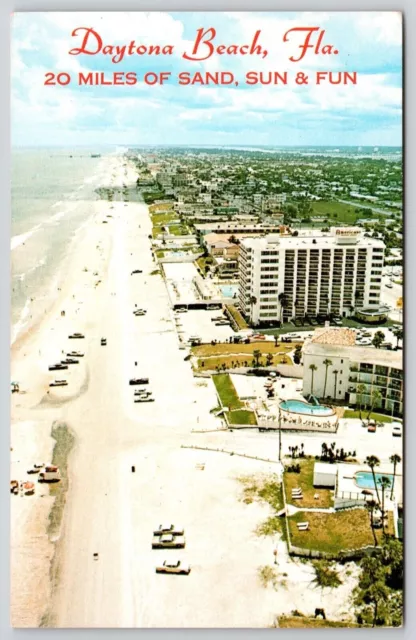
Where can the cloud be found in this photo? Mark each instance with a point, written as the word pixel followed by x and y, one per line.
pixel 191 114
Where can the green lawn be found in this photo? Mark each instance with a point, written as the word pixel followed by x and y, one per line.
pixel 231 362
pixel 379 417
pixel 242 416
pixel 226 391
pixel 238 318
pixel 229 398
pixel 304 481
pixel 337 211
pixel 334 532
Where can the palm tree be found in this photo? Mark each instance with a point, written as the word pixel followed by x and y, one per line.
pixel 395 459
pixel 375 397
pixel 276 340
pixel 373 462
pixel 335 372
pixel 360 391
pixel 283 299
pixel 371 506
pixel 327 364
pixel 399 336
pixel 269 359
pixel 384 484
pixel 313 368
pixel 256 356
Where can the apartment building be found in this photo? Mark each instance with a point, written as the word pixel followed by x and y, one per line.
pixel 334 367
pixel 312 273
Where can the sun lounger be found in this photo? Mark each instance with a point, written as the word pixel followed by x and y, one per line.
pixel 302 526
pixel 296 491
pixel 297 496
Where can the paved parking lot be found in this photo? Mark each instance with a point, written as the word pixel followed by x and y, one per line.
pixel 199 323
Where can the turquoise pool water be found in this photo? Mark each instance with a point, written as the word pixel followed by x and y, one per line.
pixel 297 406
pixel 364 479
pixel 229 290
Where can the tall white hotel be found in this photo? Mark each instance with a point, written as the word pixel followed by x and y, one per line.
pixel 319 273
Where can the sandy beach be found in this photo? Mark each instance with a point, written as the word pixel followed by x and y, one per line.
pixel 109 509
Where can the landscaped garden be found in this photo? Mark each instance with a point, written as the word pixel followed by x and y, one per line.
pixel 229 355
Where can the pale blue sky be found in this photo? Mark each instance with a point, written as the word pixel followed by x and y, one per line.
pixel 368 113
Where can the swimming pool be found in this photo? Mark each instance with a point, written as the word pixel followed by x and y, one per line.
pixel 298 406
pixel 229 290
pixel 364 479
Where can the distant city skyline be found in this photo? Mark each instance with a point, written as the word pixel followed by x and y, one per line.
pixel 366 114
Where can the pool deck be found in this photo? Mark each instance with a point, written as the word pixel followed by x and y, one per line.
pixel 347 485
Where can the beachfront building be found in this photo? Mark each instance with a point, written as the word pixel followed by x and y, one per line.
pixel 335 368
pixel 309 274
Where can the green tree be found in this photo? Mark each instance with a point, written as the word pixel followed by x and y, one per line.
pixel 360 392
pixel 395 459
pixel 327 362
pixel 269 359
pixel 399 336
pixel 384 484
pixel 256 356
pixel 373 462
pixel 375 398
pixel 313 368
pixel 371 506
pixel 378 339
pixel 378 595
pixel 298 354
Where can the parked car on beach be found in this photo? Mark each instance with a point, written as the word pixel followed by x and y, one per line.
pixel 133 381
pixel 58 383
pixel 168 541
pixel 76 335
pixel 168 528
pixel 174 567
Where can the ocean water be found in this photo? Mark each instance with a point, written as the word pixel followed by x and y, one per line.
pixel 52 192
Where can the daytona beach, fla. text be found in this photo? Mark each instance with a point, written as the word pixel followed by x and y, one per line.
pixel 204 46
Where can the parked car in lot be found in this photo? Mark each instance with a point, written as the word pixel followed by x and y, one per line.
pixel 396 429
pixel 168 528
pixel 174 567
pixel 372 427
pixel 168 541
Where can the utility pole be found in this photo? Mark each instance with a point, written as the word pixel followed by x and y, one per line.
pixel 280 435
